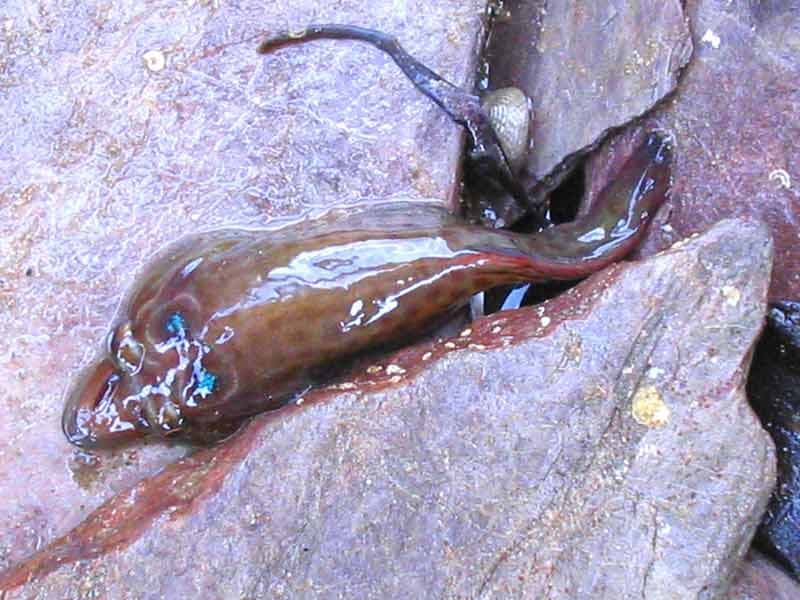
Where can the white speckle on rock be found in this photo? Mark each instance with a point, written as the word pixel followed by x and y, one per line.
pixel 395 370
pixel 731 294
pixel 711 38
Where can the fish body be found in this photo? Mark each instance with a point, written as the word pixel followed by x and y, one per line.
pixel 230 323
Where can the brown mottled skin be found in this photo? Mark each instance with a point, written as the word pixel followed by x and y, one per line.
pixel 230 323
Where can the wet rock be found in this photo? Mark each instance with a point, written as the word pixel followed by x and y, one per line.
pixel 759 578
pixel 773 387
pixel 128 125
pixel 736 132
pixel 599 445
pixel 589 67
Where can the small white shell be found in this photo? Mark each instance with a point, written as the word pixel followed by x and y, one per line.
pixel 510 115
pixel 154 60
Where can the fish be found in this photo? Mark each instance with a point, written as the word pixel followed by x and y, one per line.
pixel 226 324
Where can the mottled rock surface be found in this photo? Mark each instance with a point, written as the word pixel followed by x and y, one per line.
pixel 618 459
pixel 759 578
pixel 126 124
pixel 588 66
pixel 737 133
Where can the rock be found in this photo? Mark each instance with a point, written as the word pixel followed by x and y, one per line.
pixel 124 128
pixel 736 135
pixel 588 67
pixel 773 387
pixel 599 445
pixel 759 578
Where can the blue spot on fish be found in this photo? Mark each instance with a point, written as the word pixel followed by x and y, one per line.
pixel 207 383
pixel 176 324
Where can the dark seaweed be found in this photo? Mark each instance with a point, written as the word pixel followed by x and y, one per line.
pixel 773 388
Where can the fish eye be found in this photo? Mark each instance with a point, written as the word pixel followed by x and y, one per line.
pixel 125 350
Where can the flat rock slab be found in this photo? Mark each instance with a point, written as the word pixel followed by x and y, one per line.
pixel 128 124
pixel 597 446
pixel 734 118
pixel 589 67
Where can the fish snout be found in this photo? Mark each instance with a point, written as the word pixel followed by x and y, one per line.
pixel 92 417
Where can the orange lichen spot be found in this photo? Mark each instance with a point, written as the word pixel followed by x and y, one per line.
pixel 648 407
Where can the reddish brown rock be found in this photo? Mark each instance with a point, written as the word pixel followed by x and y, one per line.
pixel 599 445
pixel 127 126
pixel 734 118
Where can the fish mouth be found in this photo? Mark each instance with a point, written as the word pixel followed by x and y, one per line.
pixel 92 417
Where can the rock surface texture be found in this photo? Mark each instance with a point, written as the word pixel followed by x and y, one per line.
pixel 127 124
pixel 734 117
pixel 599 445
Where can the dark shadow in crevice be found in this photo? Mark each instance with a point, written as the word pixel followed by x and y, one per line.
pixel 565 201
pixel 773 389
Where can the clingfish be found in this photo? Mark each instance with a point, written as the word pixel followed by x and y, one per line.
pixel 226 324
